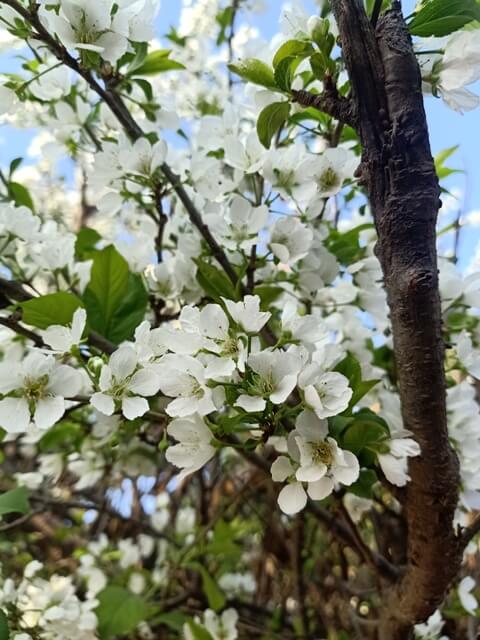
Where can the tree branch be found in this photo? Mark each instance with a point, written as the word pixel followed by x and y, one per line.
pixel 15 292
pixel 329 101
pixel 399 174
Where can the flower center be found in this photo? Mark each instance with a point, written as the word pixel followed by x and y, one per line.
pixel 285 179
pixel 34 388
pixel 321 452
pixel 328 179
pixel 229 347
pixel 196 389
pixel 119 388
pixel 263 386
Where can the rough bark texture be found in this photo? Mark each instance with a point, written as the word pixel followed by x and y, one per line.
pixel 398 172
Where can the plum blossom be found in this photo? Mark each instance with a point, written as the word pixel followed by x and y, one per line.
pixel 184 378
pixel 17 222
pixel 326 393
pixel 95 26
pixel 290 239
pixel 143 158
pixel 304 328
pixel 331 169
pixel 432 628
pixel 239 229
pixel 467 599
pixel 62 339
pixel 247 156
pixel 247 313
pixel 35 390
pixel 124 385
pixel 275 377
pixel 287 171
pixel 194 448
pixel 394 464
pixel 220 627
pixel 319 462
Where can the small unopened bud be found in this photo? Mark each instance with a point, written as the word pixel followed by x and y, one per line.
pixel 95 364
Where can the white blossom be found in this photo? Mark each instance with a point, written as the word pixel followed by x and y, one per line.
pixel 194 448
pixel 123 385
pixel 326 393
pixel 35 390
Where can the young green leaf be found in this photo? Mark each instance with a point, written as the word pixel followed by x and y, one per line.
pixel 440 18
pixel 255 71
pixel 4 627
pixel 20 195
pixel 292 48
pixel 214 282
pixel 199 632
pixel 54 308
pixel 115 299
pixel 270 120
pixel 119 612
pixel 285 72
pixel 157 62
pixel 14 501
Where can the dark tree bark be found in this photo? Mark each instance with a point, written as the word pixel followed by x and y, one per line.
pixel 398 172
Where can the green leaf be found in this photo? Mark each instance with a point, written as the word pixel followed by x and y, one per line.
pixel 224 19
pixel 368 431
pixel 115 299
pixel 214 282
pixel 54 308
pixel 285 72
pixel 362 388
pixel 270 120
pixel 14 501
pixel 350 368
pixel 172 619
pixel 20 195
pixel 119 612
pixel 255 71
pixel 199 632
pixel 295 48
pixel 320 64
pixel 85 243
pixel 157 62
pixel 4 628
pixel 131 312
pixel 346 246
pixel 440 18
pixel 440 158
pixel 141 51
pixel 267 295
pixel 363 487
pixel 14 164
pixel 215 596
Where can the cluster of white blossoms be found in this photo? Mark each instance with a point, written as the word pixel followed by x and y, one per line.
pixel 454 66
pixel 104 27
pixel 200 294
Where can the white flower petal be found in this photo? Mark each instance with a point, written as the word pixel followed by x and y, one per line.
pixel 134 407
pixel 103 403
pixel 320 489
pixel 281 469
pixel 250 403
pixel 48 411
pixel 292 498
pixel 14 415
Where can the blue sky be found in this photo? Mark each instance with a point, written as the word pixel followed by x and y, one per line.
pixel 447 128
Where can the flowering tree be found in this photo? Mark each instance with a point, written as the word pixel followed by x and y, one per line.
pixel 238 387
